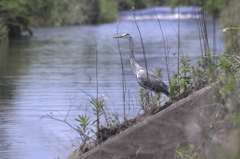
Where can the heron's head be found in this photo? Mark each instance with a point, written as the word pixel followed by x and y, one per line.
pixel 124 36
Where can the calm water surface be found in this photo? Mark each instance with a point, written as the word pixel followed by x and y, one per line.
pixel 55 69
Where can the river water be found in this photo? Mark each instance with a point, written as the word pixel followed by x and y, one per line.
pixel 55 70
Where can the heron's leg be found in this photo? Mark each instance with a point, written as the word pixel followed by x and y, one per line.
pixel 147 96
pixel 158 99
pixel 145 100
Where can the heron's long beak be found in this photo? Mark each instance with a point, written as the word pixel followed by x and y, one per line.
pixel 118 36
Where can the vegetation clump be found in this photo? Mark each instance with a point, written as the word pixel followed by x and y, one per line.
pixel 20 15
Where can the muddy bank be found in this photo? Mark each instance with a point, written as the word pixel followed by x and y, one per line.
pixel 194 120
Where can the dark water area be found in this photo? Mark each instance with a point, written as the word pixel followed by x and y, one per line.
pixel 56 69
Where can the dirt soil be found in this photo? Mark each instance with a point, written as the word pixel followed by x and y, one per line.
pixel 196 119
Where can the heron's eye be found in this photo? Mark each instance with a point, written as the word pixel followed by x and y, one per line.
pixel 125 34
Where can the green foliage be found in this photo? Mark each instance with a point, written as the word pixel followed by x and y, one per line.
pixel 12 14
pixel 226 90
pixel 55 10
pixel 182 153
pixel 127 5
pixel 175 3
pixel 97 106
pixel 228 81
pixel 112 121
pixel 107 11
pixel 158 72
pixel 186 153
pixel 210 67
pixel 84 127
pixel 10 3
pixel 214 7
pixel 139 4
pixel 228 64
pixel 181 82
pixel 18 15
pixel 199 76
pixel 206 72
pixel 3 31
pixel 84 122
pixel 98 109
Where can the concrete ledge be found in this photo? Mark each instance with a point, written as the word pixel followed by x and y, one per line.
pixel 158 136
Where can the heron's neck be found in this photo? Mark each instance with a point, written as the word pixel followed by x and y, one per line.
pixel 131 47
pixel 134 64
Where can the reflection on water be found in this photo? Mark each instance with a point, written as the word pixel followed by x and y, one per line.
pixel 55 69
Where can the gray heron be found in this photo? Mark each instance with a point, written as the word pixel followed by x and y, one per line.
pixel 147 79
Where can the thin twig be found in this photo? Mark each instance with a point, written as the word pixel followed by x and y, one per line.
pixel 69 109
pixel 164 45
pixel 123 80
pixel 178 38
pixel 144 54
pixel 98 115
pixel 66 122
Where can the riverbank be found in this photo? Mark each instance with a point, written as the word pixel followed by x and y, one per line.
pixel 195 124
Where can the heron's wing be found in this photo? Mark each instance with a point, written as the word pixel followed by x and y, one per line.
pixel 151 81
